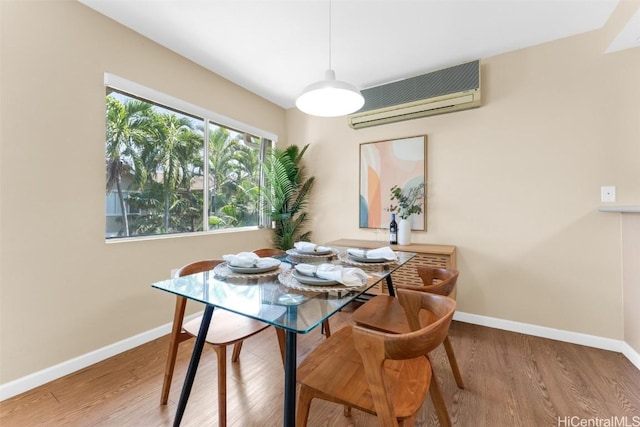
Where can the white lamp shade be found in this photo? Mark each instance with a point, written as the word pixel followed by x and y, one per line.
pixel 330 98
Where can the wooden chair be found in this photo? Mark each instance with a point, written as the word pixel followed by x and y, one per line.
pixel 226 328
pixel 385 374
pixel 384 313
pixel 267 252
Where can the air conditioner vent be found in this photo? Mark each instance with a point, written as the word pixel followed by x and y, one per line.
pixel 451 89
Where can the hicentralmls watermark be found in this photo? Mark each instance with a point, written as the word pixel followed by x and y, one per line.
pixel 576 421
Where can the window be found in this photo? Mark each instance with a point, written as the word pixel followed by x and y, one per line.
pixel 172 167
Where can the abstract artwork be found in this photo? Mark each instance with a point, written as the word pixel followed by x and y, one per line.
pixel 383 164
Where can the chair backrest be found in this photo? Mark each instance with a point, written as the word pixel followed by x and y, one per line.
pixel 375 347
pixel 445 280
pixel 267 252
pixel 197 267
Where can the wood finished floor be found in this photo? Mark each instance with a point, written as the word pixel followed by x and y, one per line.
pixel 511 380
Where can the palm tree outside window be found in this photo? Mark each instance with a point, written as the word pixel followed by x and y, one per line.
pixel 161 177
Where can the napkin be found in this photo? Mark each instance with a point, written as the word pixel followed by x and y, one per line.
pixel 347 276
pixel 384 252
pixel 310 247
pixel 249 259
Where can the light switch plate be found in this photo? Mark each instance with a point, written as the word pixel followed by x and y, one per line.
pixel 608 193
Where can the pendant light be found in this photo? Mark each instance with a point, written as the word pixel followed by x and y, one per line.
pixel 330 97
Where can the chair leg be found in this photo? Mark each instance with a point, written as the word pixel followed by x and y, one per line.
pixel 438 401
pixel 326 328
pixel 304 403
pixel 176 330
pixel 221 352
pixel 346 411
pixel 237 347
pixel 453 362
pixel 408 422
pixel 281 342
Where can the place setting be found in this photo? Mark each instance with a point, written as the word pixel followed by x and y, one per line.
pixel 248 265
pixel 323 277
pixel 307 252
pixel 369 257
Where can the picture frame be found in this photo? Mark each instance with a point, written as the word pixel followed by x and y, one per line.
pixel 383 164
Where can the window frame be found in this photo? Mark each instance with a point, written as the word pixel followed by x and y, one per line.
pixel 164 100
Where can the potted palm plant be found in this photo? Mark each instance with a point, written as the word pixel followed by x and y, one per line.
pixel 287 195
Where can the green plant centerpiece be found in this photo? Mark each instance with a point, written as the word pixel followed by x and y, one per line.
pixel 287 195
pixel 407 203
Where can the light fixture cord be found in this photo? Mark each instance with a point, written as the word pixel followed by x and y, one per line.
pixel 330 34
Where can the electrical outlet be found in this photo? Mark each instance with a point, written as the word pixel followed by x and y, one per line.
pixel 608 193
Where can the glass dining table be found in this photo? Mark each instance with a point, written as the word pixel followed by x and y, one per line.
pixel 278 299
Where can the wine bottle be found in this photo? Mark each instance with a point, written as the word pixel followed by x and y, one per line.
pixel 393 230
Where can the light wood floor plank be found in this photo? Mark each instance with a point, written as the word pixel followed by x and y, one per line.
pixel 511 380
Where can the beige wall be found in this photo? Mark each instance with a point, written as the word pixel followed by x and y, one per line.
pixel 64 291
pixel 631 278
pixel 516 183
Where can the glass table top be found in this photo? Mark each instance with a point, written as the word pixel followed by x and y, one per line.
pixel 276 297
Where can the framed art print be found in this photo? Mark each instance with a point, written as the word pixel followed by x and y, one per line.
pixel 383 164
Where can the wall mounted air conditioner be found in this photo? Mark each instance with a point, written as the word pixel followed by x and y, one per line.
pixel 443 91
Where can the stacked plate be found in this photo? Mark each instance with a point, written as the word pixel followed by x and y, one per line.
pixel 311 280
pixel 365 259
pixel 362 258
pixel 267 268
pixel 301 282
pixel 295 256
pixel 265 265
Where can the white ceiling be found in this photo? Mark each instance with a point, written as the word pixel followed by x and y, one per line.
pixel 275 48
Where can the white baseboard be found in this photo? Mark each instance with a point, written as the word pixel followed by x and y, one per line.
pixel 31 381
pixel 37 379
pixel 551 333
pixel 631 354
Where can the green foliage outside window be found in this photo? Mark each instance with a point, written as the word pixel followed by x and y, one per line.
pixel 155 167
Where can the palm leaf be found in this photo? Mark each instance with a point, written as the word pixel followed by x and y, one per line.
pixel 287 195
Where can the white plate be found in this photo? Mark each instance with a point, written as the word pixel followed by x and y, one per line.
pixel 319 255
pixel 325 252
pixel 363 259
pixel 310 280
pixel 253 270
